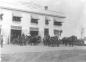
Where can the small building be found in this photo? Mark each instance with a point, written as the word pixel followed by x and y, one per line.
pixel 19 19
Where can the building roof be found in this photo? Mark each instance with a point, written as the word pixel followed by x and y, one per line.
pixel 24 8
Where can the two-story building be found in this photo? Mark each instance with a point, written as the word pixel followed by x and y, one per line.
pixel 19 19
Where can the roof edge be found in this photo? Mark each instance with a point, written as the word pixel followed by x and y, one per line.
pixel 8 8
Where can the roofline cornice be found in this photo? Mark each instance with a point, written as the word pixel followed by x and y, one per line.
pixel 14 9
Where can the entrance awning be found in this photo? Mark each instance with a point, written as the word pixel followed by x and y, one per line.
pixel 34 29
pixel 16 27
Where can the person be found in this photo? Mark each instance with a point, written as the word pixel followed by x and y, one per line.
pixel 1 40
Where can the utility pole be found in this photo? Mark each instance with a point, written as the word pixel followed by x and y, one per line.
pixel 82 33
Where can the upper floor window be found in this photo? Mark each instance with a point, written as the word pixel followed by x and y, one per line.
pixel 34 20
pixel 1 16
pixel 16 18
pixel 47 20
pixel 57 23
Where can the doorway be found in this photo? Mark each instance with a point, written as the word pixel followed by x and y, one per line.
pixel 15 34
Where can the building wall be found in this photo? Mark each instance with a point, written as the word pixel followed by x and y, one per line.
pixel 6 23
pixel 25 23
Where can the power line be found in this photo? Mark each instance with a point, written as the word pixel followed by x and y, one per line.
pixel 82 32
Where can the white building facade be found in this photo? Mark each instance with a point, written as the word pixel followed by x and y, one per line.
pixel 17 21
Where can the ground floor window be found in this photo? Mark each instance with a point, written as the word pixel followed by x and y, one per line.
pixel 15 34
pixel 57 32
pixel 34 31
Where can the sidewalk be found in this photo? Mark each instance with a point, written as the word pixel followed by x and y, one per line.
pixel 10 49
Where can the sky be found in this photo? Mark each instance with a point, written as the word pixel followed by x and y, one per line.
pixel 74 10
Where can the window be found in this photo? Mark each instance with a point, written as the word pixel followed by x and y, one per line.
pixel 56 32
pixel 34 31
pixel 16 18
pixel 1 16
pixel 46 21
pixel 57 23
pixel 46 31
pixel 34 20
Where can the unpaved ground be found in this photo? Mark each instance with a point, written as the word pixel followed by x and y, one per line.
pixel 73 54
pixel 50 56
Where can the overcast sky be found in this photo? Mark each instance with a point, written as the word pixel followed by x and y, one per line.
pixel 74 10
